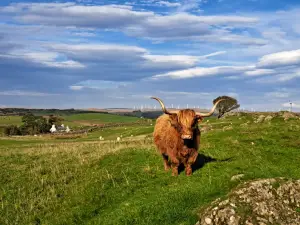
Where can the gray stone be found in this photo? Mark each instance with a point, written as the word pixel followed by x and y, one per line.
pixel 267 201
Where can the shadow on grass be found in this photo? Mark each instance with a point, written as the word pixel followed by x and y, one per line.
pixel 201 161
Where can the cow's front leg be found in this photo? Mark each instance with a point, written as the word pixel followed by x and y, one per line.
pixel 166 162
pixel 188 170
pixel 175 165
pixel 191 160
pixel 175 169
pixel 187 166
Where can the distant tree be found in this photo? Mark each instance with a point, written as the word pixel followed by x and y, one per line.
pixel 226 106
pixel 34 124
pixel 55 120
pixel 42 125
pixel 28 119
pixel 12 130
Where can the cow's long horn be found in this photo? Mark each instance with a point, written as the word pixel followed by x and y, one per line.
pixel 163 107
pixel 211 111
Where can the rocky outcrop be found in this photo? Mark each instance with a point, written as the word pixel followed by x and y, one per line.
pixel 260 119
pixel 268 118
pixel 261 202
pixel 288 115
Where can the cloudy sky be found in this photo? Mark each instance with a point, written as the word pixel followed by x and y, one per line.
pixel 96 53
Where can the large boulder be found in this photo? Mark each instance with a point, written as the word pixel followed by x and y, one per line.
pixel 261 202
pixel 288 115
pixel 268 118
pixel 260 119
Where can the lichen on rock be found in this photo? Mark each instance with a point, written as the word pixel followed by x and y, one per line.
pixel 264 201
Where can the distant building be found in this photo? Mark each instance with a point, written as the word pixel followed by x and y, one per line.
pixel 60 128
pixel 67 129
pixel 53 129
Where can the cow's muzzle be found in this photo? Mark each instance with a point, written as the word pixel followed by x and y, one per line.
pixel 187 136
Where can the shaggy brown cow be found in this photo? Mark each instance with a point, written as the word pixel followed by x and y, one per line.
pixel 177 136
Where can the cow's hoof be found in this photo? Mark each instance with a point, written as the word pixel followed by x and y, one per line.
pixel 175 174
pixel 167 168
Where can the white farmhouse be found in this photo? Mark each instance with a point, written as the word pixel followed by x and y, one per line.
pixel 53 129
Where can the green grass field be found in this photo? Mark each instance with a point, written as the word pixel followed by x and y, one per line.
pixel 100 117
pixel 10 120
pixel 86 181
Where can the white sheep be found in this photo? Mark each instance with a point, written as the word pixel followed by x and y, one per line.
pixel 118 138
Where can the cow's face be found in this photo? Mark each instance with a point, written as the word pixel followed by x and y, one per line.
pixel 188 121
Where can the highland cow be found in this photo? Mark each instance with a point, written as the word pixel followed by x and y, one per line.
pixel 177 136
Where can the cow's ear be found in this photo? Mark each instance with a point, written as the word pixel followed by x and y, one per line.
pixel 173 119
pixel 199 118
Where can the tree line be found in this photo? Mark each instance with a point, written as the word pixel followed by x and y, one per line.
pixel 32 124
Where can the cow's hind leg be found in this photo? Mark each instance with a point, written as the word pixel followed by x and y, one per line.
pixel 166 162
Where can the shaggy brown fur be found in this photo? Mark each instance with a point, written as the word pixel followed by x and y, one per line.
pixel 168 136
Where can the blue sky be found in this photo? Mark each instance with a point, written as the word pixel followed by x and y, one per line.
pixel 86 53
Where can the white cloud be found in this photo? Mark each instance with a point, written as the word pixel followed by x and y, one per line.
pixel 169 4
pixel 97 47
pixel 76 87
pixel 202 72
pixel 214 54
pixel 100 52
pixel 46 59
pixel 84 34
pixel 25 93
pixel 63 14
pixel 104 53
pixel 98 85
pixel 279 59
pixel 260 72
pixel 177 59
pixel 277 94
pixel 294 105
pixel 143 24
pixel 189 5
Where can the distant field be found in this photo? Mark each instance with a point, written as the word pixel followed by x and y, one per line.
pixel 10 120
pixel 100 118
pixel 87 181
pixel 83 119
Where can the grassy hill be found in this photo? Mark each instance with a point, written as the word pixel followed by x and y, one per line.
pixel 100 118
pixel 75 120
pixel 10 120
pixel 86 181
